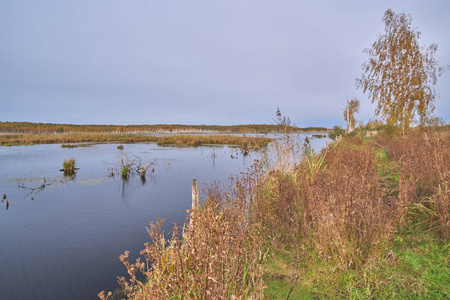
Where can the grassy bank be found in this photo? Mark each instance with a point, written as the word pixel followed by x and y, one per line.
pixel 372 223
pixel 10 139
pixel 363 219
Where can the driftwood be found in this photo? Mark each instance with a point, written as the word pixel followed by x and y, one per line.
pixel 33 188
pixel 43 183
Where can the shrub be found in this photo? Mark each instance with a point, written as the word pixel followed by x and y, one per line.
pixel 336 132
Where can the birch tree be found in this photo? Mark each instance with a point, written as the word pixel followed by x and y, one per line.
pixel 351 108
pixel 400 74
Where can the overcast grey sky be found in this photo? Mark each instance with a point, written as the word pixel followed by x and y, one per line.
pixel 197 62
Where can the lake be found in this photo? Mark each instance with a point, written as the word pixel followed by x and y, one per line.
pixel 64 241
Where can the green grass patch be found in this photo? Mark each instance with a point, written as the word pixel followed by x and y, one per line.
pixel 425 260
pixel 418 267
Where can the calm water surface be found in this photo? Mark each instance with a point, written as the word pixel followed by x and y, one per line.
pixel 64 241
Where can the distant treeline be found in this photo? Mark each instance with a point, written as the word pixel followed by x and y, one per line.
pixel 28 127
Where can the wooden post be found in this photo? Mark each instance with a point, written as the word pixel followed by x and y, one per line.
pixel 195 204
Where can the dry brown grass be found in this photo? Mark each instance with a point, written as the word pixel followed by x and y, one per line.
pixel 423 161
pixel 337 209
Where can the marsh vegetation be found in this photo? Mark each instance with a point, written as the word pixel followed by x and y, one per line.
pixel 353 221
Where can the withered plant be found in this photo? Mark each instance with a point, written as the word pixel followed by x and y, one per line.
pixel 423 161
pixel 331 202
